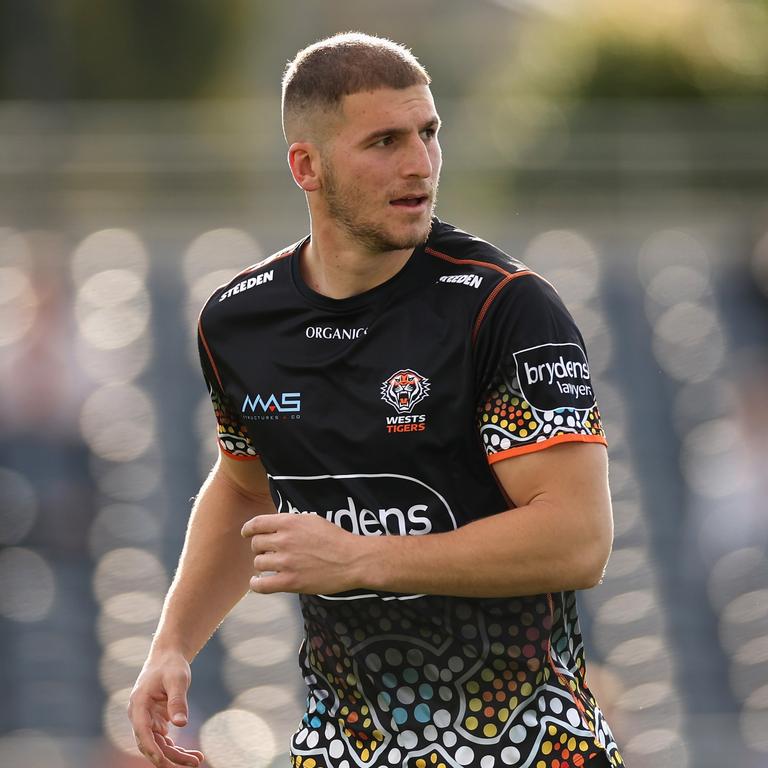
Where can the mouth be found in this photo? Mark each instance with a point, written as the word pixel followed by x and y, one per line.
pixel 411 202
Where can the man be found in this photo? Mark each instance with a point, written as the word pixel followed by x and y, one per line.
pixel 416 406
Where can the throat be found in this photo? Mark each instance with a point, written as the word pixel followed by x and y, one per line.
pixel 346 273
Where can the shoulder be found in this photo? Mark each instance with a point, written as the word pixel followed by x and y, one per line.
pixel 467 252
pixel 275 269
pixel 504 284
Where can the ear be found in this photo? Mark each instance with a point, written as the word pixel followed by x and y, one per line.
pixel 304 161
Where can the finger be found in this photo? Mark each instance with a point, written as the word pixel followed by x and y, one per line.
pixel 196 752
pixel 260 524
pixel 177 755
pixel 263 542
pixel 267 561
pixel 269 583
pixel 144 737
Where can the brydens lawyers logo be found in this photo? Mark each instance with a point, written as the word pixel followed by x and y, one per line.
pixel 555 376
pixel 286 405
pixel 403 390
pixel 366 505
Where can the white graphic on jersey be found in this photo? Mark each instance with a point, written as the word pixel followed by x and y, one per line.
pixel 367 505
pixel 473 281
pixel 246 285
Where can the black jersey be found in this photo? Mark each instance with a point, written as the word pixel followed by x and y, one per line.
pixel 382 412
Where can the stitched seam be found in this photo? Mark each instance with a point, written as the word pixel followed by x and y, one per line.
pixel 208 352
pixel 446 257
pixel 265 263
pixel 492 295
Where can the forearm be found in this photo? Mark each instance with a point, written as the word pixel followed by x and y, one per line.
pixel 529 550
pixel 214 569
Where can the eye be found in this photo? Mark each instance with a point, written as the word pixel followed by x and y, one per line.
pixel 429 133
pixel 384 141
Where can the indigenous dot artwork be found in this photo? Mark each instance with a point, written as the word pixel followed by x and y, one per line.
pixel 232 436
pixel 439 682
pixel 507 420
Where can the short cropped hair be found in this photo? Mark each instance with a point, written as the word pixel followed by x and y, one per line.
pixel 351 62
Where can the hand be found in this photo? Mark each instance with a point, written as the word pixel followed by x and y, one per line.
pixel 305 553
pixel 159 698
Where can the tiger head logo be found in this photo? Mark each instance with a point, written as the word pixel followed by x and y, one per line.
pixel 402 390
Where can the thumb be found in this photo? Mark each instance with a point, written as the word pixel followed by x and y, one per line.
pixel 177 705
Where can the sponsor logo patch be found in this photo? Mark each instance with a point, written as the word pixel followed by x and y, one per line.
pixel 286 405
pixel 334 334
pixel 553 376
pixel 246 285
pixel 403 389
pixel 366 505
pixel 473 281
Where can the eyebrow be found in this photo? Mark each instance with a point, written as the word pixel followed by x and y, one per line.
pixel 379 133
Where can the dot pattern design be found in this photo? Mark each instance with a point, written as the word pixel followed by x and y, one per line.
pixel 233 437
pixel 507 420
pixel 442 681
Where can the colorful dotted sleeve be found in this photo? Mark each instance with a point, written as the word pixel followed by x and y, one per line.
pixel 533 377
pixel 232 433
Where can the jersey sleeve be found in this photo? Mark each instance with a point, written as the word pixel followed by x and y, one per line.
pixel 233 436
pixel 532 375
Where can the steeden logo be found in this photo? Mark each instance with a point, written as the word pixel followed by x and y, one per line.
pixel 251 282
pixel 473 281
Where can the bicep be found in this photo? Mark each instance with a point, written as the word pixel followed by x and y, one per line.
pixel 247 477
pixel 573 476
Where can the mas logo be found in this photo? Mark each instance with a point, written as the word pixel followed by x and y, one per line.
pixel 403 390
pixel 272 407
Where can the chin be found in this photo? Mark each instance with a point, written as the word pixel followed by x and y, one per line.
pixel 410 237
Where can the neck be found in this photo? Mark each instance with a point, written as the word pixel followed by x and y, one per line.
pixel 335 265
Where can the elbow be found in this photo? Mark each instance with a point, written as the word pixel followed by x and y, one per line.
pixel 591 577
pixel 592 564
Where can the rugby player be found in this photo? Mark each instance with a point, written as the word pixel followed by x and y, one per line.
pixel 409 440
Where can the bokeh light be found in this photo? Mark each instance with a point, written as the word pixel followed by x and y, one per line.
pixel 108 249
pixel 29 585
pixel 116 725
pixel 18 305
pixel 128 569
pixel 118 422
pixel 236 738
pixel 123 525
pixel 20 506
pixel 128 482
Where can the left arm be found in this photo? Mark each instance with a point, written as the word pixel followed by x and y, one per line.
pixel 557 537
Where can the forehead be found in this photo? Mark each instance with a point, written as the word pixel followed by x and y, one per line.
pixel 387 108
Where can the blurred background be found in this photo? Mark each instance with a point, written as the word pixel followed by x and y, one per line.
pixel 620 149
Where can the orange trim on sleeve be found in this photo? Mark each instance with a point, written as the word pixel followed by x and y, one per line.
pixel 540 446
pixel 237 458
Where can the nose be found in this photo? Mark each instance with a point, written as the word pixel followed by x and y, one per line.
pixel 417 162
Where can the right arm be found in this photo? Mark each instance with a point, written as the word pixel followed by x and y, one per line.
pixel 214 570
